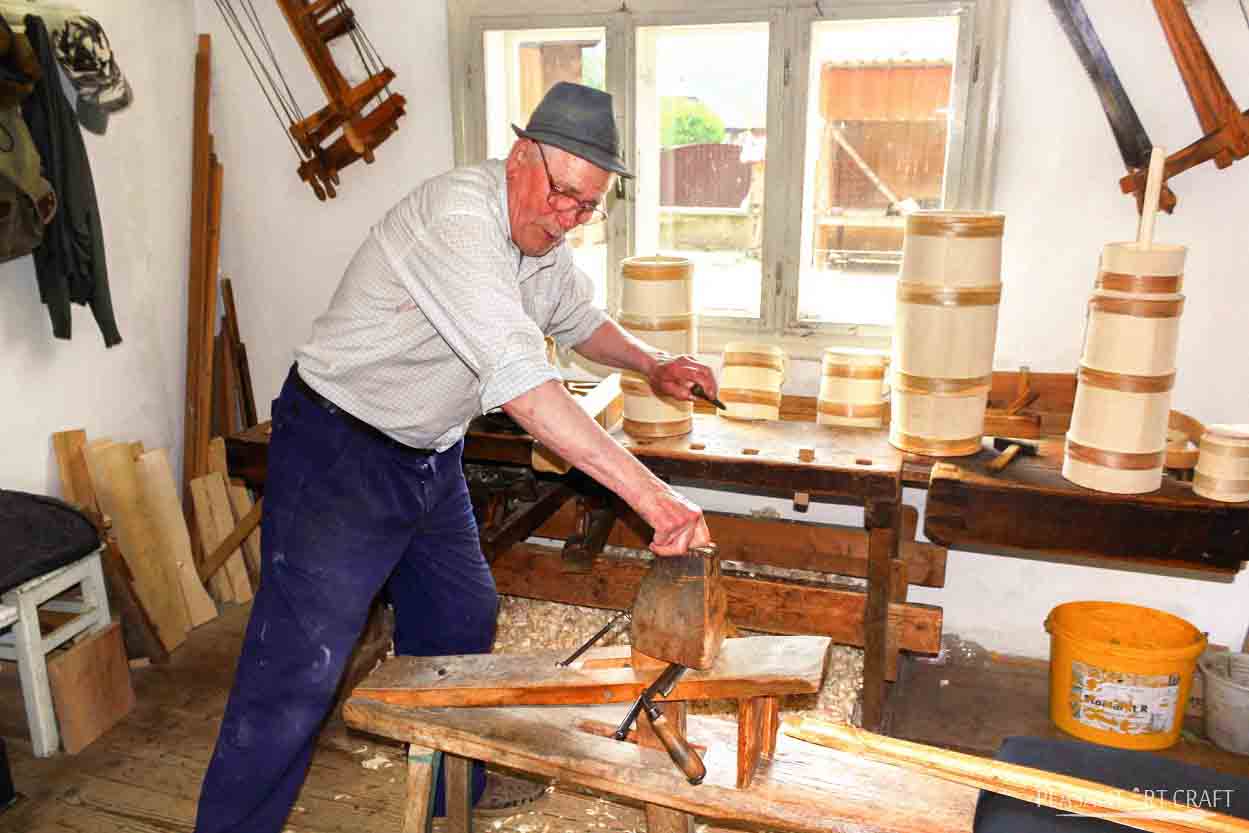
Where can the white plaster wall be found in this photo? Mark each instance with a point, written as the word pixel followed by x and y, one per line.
pixel 141 168
pixel 283 249
pixel 1056 181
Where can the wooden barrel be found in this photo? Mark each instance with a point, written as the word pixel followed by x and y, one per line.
pixel 750 380
pixel 852 388
pixel 657 306
pixel 1223 464
pixel 1117 441
pixel 945 330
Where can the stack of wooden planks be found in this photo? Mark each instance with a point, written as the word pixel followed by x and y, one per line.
pixel 155 582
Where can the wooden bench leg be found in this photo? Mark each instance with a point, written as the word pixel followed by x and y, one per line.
pixel 418 815
pixel 882 519
pixel 664 819
pixel 459 792
pixel 758 719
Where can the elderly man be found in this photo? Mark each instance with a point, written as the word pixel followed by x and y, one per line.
pixel 440 316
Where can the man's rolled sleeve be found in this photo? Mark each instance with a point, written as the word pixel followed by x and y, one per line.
pixel 575 317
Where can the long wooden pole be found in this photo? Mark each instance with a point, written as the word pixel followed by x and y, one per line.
pixel 1062 792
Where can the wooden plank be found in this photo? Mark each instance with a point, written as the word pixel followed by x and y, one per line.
pixel 1041 787
pixel 795 545
pixel 1029 507
pixel 227 547
pixel 216 521
pixel 75 480
pixel 241 502
pixel 807 789
pixel 603 404
pixel 116 480
pixel 90 687
pixel 457 771
pixel 749 666
pixel 418 811
pixel 238 351
pixel 236 566
pixel 537 572
pixel 856 463
pixel 201 186
pixel 204 382
pixel 138 632
pixel 160 494
pixel 879 631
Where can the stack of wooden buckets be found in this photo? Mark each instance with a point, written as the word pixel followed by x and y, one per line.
pixel 657 306
pixel 945 330
pixel 1118 435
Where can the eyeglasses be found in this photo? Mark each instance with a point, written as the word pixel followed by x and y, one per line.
pixel 588 212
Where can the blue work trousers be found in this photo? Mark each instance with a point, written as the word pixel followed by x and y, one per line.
pixel 346 512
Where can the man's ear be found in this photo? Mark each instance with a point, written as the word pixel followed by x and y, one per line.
pixel 517 156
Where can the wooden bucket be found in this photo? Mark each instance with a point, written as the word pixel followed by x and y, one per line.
pixel 1117 441
pixel 750 381
pixel 1223 464
pixel 945 331
pixel 657 306
pixel 852 388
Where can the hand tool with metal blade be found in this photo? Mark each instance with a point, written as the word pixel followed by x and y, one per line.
pixel 679 749
pixel 1129 133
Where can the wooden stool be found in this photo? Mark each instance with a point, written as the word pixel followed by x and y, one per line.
pixel 806 788
pixel 754 671
pixel 34 569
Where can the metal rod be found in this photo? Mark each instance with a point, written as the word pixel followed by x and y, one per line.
pixel 590 642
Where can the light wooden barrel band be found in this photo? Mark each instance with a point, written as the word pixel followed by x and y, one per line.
pixel 934 447
pixel 854 371
pixel 755 360
pixel 1208 447
pixel 1138 307
pixel 1219 485
pixel 1140 284
pixel 1123 461
pixel 938 296
pixel 1125 382
pixel 907 383
pixel 657 430
pixel 956 225
pixel 680 271
pixel 743 396
pixel 851 409
pixel 656 323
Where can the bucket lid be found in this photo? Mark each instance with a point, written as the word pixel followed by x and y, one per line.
pixel 1130 630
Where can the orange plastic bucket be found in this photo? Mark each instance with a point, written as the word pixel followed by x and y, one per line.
pixel 1119 673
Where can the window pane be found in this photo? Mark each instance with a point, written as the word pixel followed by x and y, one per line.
pixel 701 131
pixel 521 65
pixel 877 127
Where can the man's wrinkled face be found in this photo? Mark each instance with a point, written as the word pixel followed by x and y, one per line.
pixel 537 223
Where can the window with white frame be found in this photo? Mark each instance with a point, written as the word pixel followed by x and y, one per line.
pixel 777 147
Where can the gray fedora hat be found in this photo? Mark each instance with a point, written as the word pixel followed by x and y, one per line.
pixel 577 119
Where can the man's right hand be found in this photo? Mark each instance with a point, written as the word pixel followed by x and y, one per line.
pixel 678 522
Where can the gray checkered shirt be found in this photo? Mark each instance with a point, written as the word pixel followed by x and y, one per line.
pixel 439 318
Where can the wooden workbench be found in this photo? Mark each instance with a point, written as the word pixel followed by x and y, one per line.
pixel 1027 508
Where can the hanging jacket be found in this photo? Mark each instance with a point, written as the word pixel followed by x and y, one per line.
pixel 70 264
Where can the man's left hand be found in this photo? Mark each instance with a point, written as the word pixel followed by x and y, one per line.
pixel 675 375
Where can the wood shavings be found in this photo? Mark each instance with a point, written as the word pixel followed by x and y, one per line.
pixel 377 762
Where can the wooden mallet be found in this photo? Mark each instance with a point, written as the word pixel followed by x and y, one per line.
pixel 1010 449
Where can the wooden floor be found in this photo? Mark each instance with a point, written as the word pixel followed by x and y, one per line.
pixel 144 775
pixel 970 699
